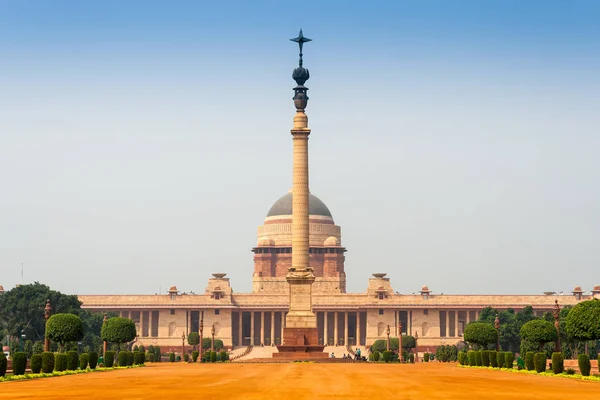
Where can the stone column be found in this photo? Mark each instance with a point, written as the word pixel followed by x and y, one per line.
pixel 262 327
pixel 358 328
pixel 272 328
pixel 456 323
pixel 346 329
pixel 282 326
pixel 325 331
pixel 252 328
pixel 241 331
pixel 335 328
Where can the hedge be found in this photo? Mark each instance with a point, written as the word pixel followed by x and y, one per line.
pixel 478 359
pixel 138 358
pixel 19 362
pixel 558 365
pixel 122 358
pixel 539 359
pixel 171 357
pixel 60 362
pixel 509 359
pixel 109 359
pixel 3 364
pixel 47 362
pixel 150 357
pixel 195 355
pixel 598 362
pixel 529 364
pixel 83 361
pixel 213 356
pixel 584 364
pixel 472 356
pixel 72 360
pixel 426 357
pixel 186 357
pixel 500 359
pixel 386 355
pixel 494 358
pixel 36 363
pixel 485 358
pixel 93 359
pixel 223 356
pixel 411 358
pixel 129 358
pixel 461 357
pixel 376 356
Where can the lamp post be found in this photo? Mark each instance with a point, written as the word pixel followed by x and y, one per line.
pixel 47 311
pixel 400 339
pixel 416 347
pixel 105 343
pixel 557 325
pixel 212 341
pixel 388 338
pixel 182 345
pixel 497 326
pixel 201 329
pixel 22 341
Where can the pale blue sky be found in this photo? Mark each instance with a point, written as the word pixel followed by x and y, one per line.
pixel 455 142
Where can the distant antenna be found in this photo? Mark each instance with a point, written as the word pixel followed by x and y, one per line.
pixel 21 274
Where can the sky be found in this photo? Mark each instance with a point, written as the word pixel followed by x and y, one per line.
pixel 455 142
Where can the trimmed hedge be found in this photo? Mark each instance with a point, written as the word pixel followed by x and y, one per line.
pixel 426 357
pixel 558 365
pixel 109 359
pixel 60 362
pixel 19 362
pixel 186 357
pixel 93 359
pixel 584 364
pixel 150 357
pixel 598 362
pixel 195 355
pixel 36 363
pixel 213 356
pixel 479 358
pixel 47 362
pixel 376 356
pixel 472 356
pixel 3 364
pixel 171 357
pixel 122 358
pixel 411 358
pixel 509 359
pixel 386 356
pixel 129 355
pixel 539 359
pixel 494 358
pixel 72 360
pixel 500 359
pixel 223 356
pixel 485 358
pixel 83 361
pixel 138 358
pixel 461 357
pixel 529 364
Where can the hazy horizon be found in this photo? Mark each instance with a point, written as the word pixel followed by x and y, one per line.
pixel 455 143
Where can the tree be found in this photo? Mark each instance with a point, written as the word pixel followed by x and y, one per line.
pixel 118 330
pixel 206 344
pixel 64 328
pixel 538 331
pixel 480 333
pixel 193 339
pixel 510 325
pixel 583 320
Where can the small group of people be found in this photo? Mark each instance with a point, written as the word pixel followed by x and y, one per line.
pixel 357 355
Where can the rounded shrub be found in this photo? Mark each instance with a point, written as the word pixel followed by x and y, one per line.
pixel 72 360
pixel 20 362
pixel 122 358
pixel 386 355
pixel 494 358
pixel 411 358
pixel 130 358
pixel 213 356
pixel 426 358
pixel 60 362
pixel 584 364
pixel 376 356
pixel 223 356
pixel 186 357
pixel 195 355
pixel 485 358
pixel 109 359
pixel 461 358
pixel 539 359
pixel 171 357
pixel 529 364
pixel 558 365
pixel 138 358
pixel 84 360
pixel 500 359
pixel 47 362
pixel 63 328
pixel 36 363
pixel 93 359
pixel 478 358
pixel 3 364
pixel 509 359
pixel 150 357
pixel 472 356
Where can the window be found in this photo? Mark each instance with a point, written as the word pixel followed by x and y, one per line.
pixel 426 312
pixel 217 295
pixel 217 311
pixel 381 311
pixel 172 311
pixel 380 296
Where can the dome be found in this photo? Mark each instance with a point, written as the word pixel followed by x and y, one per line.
pixel 283 206
pixel 173 289
pixel 425 289
pixel 331 241
pixel 595 289
pixel 577 289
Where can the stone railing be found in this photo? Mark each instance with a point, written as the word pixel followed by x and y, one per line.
pixel 244 354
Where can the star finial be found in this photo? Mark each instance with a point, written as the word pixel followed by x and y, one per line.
pixel 301 39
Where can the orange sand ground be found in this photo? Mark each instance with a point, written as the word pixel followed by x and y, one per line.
pixel 300 381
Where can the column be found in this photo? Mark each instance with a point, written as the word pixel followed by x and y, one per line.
pixel 358 328
pixel 346 329
pixel 335 328
pixel 240 331
pixel 252 328
pixel 456 322
pixel 468 317
pixel 262 327
pixel 282 326
pixel 141 332
pixel 325 331
pixel 272 327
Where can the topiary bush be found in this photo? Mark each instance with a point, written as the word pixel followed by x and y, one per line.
pixel 122 358
pixel 485 358
pixel 386 356
pixel 223 356
pixel 539 359
pixel 509 359
pixel 598 362
pixel 411 358
pixel 3 364
pixel 195 355
pixel 93 359
pixel 472 356
pixel 171 357
pixel 130 358
pixel 138 358
pixel 584 364
pixel 150 357
pixel 500 359
pixel 47 362
pixel 186 357
pixel 529 364
pixel 426 358
pixel 36 363
pixel 109 359
pixel 376 356
pixel 558 365
pixel 19 362
pixel 213 356
pixel 72 360
pixel 84 359
pixel 60 362
pixel 494 358
pixel 63 328
pixel 478 359
pixel 461 358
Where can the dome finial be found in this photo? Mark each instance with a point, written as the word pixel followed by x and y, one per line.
pixel 300 75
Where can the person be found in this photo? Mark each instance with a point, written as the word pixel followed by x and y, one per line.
pixel 332 354
pixel 358 352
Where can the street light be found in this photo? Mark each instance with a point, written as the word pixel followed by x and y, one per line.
pixel 212 342
pixel 557 325
pixel 388 338
pixel 201 329
pixel 22 339
pixel 182 345
pixel 47 311
pixel 400 339
pixel 497 326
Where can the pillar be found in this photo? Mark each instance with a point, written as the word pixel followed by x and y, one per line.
pixel 456 323
pixel 272 328
pixel 282 326
pixel 240 331
pixel 252 328
pixel 346 329
pixel 325 331
pixel 262 327
pixel 358 328
pixel 335 328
